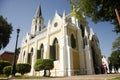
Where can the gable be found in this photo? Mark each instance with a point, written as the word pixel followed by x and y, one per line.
pixel 56 23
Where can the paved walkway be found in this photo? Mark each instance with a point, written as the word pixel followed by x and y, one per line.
pixel 80 77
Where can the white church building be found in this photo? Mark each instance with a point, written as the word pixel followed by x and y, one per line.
pixel 72 45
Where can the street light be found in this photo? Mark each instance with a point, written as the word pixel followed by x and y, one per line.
pixel 1 34
pixel 13 71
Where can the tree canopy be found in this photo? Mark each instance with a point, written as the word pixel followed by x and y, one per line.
pixel 5 32
pixel 116 44
pixel 98 10
pixel 115 56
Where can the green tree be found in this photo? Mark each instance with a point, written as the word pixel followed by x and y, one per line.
pixel 5 32
pixel 48 65
pixel 97 10
pixel 44 64
pixel 115 56
pixel 18 50
pixel 116 44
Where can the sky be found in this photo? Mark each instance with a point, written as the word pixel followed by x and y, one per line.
pixel 21 12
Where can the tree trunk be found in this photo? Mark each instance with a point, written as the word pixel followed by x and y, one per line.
pixel 49 73
pixel 44 72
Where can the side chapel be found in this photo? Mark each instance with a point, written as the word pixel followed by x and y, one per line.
pixel 72 45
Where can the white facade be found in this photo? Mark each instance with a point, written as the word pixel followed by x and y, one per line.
pixel 65 40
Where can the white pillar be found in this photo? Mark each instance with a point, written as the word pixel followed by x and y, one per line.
pixel 80 47
pixel 63 56
pixel 45 50
pixel 26 55
pixel 69 58
pixel 34 55
pixel 89 61
pixel 32 64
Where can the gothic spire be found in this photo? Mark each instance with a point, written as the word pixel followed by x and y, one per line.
pixel 38 11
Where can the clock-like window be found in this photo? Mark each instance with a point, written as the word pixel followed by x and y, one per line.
pixel 56 24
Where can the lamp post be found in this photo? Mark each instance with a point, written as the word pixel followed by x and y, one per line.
pixel 13 71
pixel 1 38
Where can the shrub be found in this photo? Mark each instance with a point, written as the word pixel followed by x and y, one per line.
pixel 48 64
pixel 23 68
pixel 3 64
pixel 7 70
pixel 44 64
pixel 39 65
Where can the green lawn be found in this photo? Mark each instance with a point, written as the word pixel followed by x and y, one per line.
pixel 3 76
pixel 117 78
pixel 22 77
pixel 29 77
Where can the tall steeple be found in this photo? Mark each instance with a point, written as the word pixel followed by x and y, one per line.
pixel 37 22
pixel 38 12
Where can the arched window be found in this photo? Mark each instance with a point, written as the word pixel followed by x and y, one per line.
pixel 73 41
pixel 83 43
pixel 35 27
pixel 40 25
pixel 39 28
pixel 82 30
pixel 32 51
pixel 86 43
pixel 24 56
pixel 54 50
pixel 30 56
pixel 40 52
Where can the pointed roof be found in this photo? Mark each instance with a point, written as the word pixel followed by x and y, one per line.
pixel 38 11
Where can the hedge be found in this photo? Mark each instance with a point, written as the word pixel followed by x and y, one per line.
pixel 23 68
pixel 7 70
pixel 3 64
